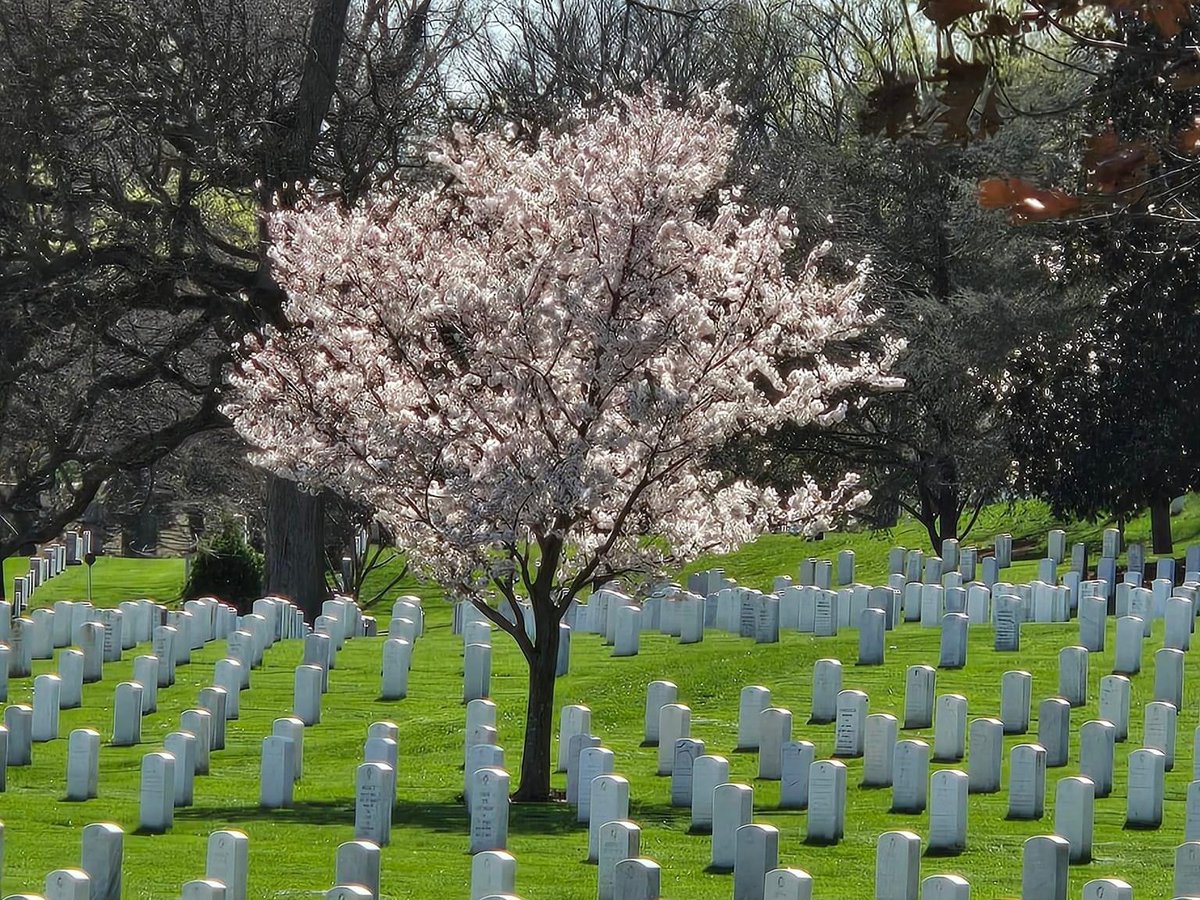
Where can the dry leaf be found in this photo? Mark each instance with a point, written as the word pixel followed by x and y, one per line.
pixel 1168 16
pixel 945 13
pixel 1116 166
pixel 1025 201
pixel 1188 140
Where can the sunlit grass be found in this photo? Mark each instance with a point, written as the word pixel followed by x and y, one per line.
pixel 292 851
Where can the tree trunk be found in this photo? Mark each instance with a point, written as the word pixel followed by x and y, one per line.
pixel 1160 525
pixel 539 712
pixel 939 515
pixel 938 491
pixel 295 544
pixel 295 539
pixel 888 515
pixel 947 500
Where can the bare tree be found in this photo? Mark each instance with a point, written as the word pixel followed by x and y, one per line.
pixel 132 254
pixel 853 116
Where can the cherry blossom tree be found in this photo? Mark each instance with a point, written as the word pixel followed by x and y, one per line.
pixel 525 370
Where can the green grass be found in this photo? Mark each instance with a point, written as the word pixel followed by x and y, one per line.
pixel 1028 521
pixel 292 851
pixel 114 579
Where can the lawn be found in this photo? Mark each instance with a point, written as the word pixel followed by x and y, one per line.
pixel 1028 521
pixel 292 851
pixel 114 578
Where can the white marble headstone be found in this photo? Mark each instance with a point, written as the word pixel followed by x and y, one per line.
pixel 1073 816
pixel 157 793
pixel 919 684
pixel 986 756
pixel 489 810
pixel 658 695
pixel 1144 801
pixel 756 854
pixel 826 801
pixel 707 773
pixel 1054 730
pixel 851 718
pixel 897 865
pixel 948 790
pixel 83 764
pixel 826 685
pixel 1114 704
pixel 775 730
pixel 227 861
pixel 878 742
pixel 1027 781
pixel 1096 753
pixel 733 806
pixel 619 840
pixel 1044 868
pixel 796 763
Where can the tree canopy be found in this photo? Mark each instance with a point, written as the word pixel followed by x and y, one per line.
pixel 524 372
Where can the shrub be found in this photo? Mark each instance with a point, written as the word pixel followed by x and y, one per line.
pixel 227 567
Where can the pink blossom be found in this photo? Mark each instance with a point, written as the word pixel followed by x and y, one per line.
pixel 552 344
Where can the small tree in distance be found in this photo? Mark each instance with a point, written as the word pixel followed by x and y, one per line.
pixel 525 370
pixel 227 567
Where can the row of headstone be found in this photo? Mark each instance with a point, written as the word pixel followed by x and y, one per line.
pixel 1045 861
pixel 811 606
pixel 954 570
pixel 167 776
pixel 809 609
pixel 49 562
pixel 282 751
pixel 739 843
pixel 601 797
pixel 1033 603
pixel 101 635
pixel 763 727
pixel 203 727
pixel 99 875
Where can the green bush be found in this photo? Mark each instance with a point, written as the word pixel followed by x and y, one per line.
pixel 228 568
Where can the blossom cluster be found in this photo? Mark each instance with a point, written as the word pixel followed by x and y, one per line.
pixel 551 344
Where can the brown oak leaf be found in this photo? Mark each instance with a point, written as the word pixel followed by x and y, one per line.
pixel 945 13
pixel 1025 201
pixel 968 105
pixel 1168 16
pixel 1188 140
pixel 1115 166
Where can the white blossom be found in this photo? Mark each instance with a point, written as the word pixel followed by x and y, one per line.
pixel 550 346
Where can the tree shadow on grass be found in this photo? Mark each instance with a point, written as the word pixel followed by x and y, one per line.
pixel 1138 826
pixel 944 852
pixel 542 818
pixel 661 814
pixel 309 812
pixel 444 817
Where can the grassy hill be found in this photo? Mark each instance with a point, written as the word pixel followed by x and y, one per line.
pixel 1028 521
pixel 292 851
pixel 114 579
